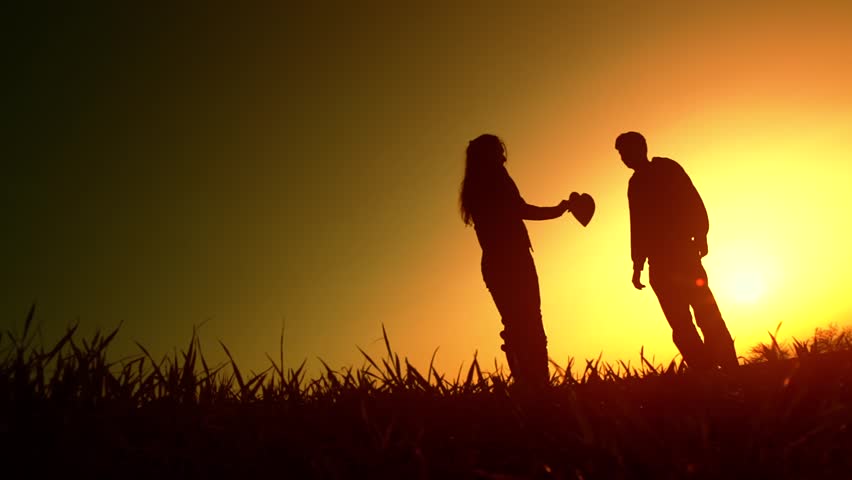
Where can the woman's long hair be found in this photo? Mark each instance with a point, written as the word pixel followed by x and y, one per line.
pixel 484 158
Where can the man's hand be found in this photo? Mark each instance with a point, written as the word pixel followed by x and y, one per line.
pixel 636 279
pixel 701 244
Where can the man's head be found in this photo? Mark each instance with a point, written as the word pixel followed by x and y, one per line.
pixel 633 149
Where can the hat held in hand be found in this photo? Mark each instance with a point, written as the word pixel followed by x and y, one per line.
pixel 582 207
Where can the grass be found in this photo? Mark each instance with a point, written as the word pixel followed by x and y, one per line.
pixel 786 413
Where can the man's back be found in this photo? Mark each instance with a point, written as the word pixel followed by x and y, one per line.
pixel 666 213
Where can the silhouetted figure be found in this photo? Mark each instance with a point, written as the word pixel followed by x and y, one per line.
pixel 668 227
pixel 492 203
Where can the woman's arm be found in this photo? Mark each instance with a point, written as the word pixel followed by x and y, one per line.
pixel 532 212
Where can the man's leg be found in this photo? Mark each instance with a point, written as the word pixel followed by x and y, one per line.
pixel 717 338
pixel 668 285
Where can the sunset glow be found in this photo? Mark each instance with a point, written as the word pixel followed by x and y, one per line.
pixel 301 168
pixel 748 287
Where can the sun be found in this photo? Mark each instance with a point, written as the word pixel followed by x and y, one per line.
pixel 747 286
pixel 746 274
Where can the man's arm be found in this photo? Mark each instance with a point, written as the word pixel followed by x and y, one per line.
pixel 700 223
pixel 638 248
pixel 637 279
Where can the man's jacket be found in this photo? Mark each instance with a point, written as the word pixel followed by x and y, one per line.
pixel 667 215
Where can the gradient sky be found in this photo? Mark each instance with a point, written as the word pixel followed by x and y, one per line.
pixel 301 166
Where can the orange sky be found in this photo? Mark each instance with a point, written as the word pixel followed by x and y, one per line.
pixel 253 168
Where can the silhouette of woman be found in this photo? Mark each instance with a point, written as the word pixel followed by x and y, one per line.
pixel 491 202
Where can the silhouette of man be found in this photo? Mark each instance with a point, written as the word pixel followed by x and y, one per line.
pixel 490 201
pixel 668 227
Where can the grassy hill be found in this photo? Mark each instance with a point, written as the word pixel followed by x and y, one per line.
pixel 785 413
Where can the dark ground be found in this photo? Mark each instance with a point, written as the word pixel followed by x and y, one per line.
pixel 782 419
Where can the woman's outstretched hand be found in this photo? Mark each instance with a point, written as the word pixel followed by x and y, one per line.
pixel 567 204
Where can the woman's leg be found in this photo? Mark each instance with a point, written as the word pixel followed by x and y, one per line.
pixel 514 288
